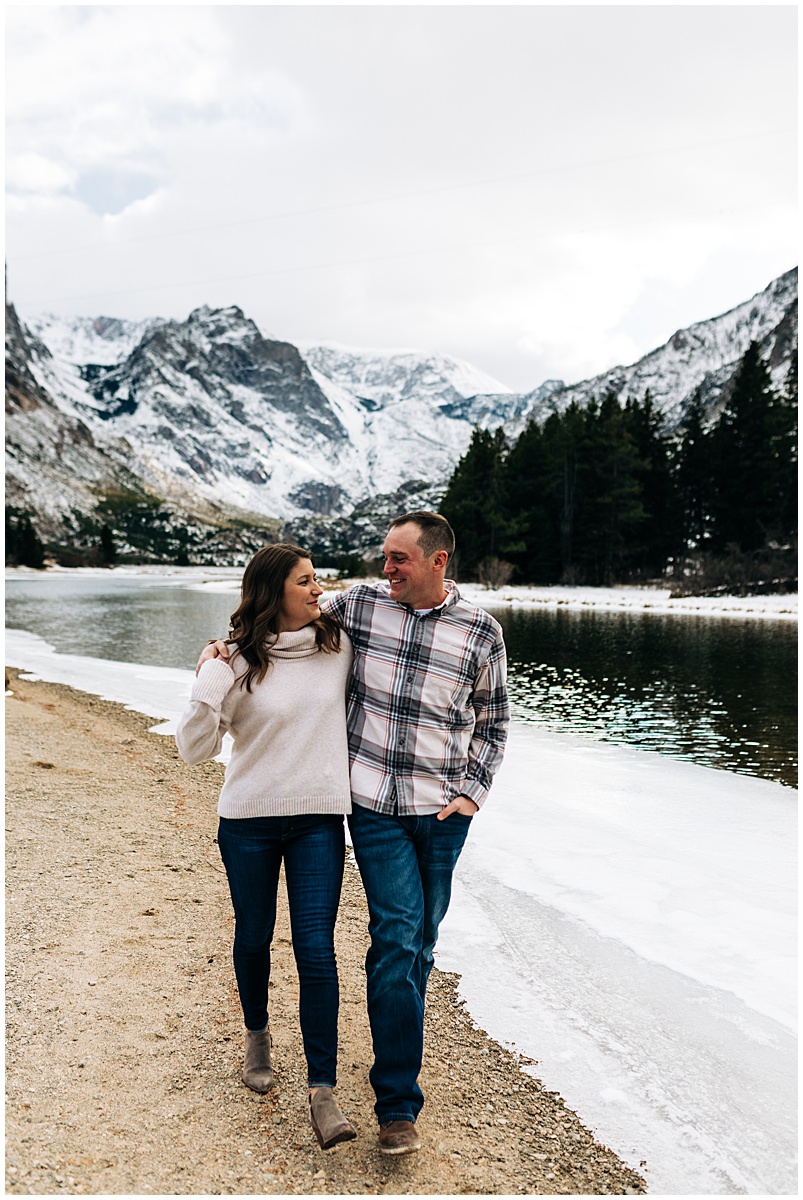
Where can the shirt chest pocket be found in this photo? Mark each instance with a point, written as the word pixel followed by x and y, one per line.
pixel 378 673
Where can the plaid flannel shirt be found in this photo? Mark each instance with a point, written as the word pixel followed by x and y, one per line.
pixel 427 700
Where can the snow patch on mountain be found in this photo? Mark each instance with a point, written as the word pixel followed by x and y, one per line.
pixel 379 378
pixel 80 340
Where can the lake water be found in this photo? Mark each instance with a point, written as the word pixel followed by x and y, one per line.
pixel 720 692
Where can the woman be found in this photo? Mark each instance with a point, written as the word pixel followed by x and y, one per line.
pixel 282 697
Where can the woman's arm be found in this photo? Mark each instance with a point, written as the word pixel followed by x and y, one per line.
pixel 200 731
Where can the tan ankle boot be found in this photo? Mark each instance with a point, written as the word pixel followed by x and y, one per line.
pixel 257 1071
pixel 326 1119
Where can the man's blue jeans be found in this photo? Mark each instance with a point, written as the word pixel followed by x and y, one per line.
pixel 406 864
pixel 313 849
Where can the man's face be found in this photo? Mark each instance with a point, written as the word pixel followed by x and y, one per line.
pixel 413 579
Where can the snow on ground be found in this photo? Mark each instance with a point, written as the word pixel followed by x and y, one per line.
pixel 632 599
pixel 161 692
pixel 624 919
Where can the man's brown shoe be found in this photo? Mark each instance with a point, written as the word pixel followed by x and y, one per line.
pixel 398 1137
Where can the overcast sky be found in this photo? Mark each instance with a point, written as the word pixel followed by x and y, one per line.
pixel 542 190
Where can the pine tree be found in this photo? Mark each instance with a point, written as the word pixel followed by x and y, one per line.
pixel 750 449
pixel 563 440
pixel 692 470
pixel 659 534
pixel 529 474
pixel 609 511
pixel 108 551
pixel 23 545
pixel 475 503
pixel 11 536
pixel 785 446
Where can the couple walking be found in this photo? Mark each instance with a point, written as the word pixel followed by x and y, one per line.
pixel 388 704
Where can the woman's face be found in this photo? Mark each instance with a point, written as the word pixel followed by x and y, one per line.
pixel 300 597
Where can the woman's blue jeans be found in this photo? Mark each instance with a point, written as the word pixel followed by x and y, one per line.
pixel 313 849
pixel 406 864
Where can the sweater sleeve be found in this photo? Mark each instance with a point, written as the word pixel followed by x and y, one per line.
pixel 200 731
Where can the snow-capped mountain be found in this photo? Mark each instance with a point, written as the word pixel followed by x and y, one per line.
pixel 208 410
pixel 703 356
pixel 54 465
pixel 416 411
pixel 222 423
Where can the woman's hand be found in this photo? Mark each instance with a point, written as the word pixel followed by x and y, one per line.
pixel 218 649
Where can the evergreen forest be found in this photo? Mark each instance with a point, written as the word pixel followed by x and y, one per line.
pixel 23 544
pixel 604 494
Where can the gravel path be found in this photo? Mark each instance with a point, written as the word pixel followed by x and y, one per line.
pixel 124 1034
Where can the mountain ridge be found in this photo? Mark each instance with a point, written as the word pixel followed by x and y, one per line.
pixel 221 423
pixel 692 359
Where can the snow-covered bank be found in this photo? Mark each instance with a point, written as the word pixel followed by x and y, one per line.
pixel 633 599
pixel 628 921
pixel 160 692
pixel 577 599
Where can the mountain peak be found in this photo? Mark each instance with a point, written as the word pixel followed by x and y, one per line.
pixel 383 377
pixel 223 324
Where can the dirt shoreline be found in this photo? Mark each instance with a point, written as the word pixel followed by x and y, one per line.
pixel 123 1045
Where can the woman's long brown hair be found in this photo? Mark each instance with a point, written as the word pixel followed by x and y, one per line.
pixel 257 618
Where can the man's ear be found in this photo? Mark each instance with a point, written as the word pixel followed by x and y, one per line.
pixel 440 559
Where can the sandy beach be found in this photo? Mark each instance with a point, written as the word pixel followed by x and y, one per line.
pixel 124 1032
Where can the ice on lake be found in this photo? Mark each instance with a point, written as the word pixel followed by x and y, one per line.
pixel 629 922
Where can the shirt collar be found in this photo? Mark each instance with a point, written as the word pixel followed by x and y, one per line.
pixel 452 596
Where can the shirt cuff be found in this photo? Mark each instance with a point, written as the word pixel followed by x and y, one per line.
pixel 213 683
pixel 475 791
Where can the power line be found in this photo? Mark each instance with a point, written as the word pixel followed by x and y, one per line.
pixel 718 212
pixel 390 199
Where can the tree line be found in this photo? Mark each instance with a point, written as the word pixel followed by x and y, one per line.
pixel 605 494
pixel 24 547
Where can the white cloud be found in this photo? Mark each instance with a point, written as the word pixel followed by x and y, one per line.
pixel 32 172
pixel 553 189
pixel 117 85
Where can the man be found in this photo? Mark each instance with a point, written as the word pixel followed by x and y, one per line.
pixel 427 722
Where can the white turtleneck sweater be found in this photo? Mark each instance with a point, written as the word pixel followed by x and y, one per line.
pixel 290 751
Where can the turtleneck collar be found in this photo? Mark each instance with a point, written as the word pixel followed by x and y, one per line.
pixel 293 643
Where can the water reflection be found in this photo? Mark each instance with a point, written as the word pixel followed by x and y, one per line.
pixel 115 618
pixel 718 692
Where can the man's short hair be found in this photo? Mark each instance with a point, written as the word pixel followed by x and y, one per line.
pixel 436 532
